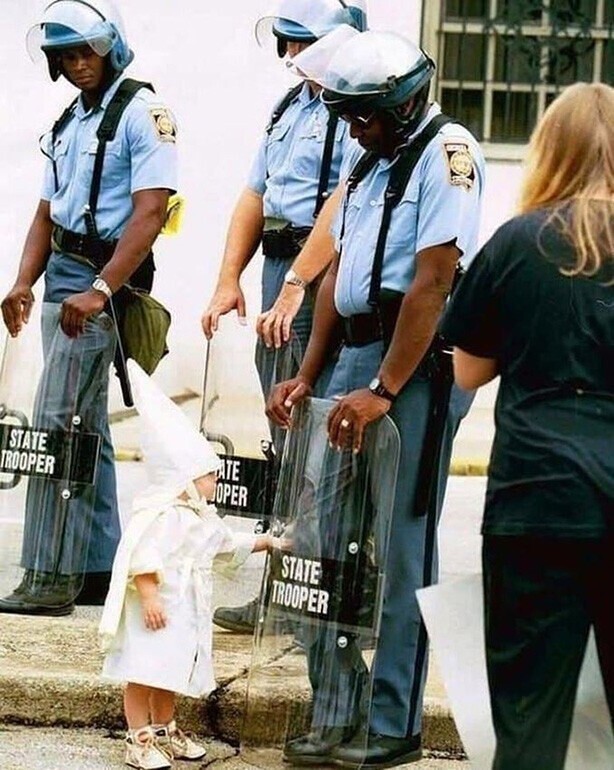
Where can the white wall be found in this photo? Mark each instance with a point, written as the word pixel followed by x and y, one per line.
pixel 204 61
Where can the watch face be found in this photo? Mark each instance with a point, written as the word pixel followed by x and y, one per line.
pixel 374 384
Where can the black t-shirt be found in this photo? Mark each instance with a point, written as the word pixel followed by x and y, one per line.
pixel 552 464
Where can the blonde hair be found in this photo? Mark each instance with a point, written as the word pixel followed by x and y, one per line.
pixel 570 168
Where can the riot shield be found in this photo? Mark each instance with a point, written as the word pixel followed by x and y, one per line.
pixel 454 616
pixel 49 451
pixel 239 373
pixel 322 588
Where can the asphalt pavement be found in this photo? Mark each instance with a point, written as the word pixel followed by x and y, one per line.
pixel 27 748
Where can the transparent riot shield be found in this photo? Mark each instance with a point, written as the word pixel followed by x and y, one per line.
pixel 239 373
pixel 454 616
pixel 49 452
pixel 322 591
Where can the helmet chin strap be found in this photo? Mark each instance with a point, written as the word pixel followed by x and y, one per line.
pixel 407 124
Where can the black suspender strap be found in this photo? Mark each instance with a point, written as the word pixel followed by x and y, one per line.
pixel 106 133
pixel 283 105
pixel 363 166
pixel 327 160
pixel 329 143
pixel 57 127
pixel 397 184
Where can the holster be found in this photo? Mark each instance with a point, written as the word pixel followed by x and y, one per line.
pixel 284 244
pixel 438 362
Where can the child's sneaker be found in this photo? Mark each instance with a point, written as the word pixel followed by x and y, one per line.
pixel 144 752
pixel 181 745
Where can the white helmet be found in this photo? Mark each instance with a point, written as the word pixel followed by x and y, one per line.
pixel 71 23
pixel 306 21
pixel 377 71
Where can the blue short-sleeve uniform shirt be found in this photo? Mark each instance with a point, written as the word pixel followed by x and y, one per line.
pixel 441 204
pixel 143 156
pixel 286 170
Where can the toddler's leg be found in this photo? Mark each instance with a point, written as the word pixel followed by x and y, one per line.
pixel 161 706
pixel 168 736
pixel 143 749
pixel 136 705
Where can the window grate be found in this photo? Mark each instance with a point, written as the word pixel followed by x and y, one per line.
pixel 501 62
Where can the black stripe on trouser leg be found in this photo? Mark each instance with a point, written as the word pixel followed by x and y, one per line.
pixel 427 579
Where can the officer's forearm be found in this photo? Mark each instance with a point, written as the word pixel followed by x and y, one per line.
pixel 419 315
pixel 137 239
pixel 324 330
pixel 319 249
pixel 37 247
pixel 413 333
pixel 243 237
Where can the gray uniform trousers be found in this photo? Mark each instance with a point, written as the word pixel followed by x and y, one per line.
pixel 88 539
pixel 338 677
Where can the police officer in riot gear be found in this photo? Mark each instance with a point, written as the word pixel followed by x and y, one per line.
pixel 296 167
pixel 85 256
pixel 409 215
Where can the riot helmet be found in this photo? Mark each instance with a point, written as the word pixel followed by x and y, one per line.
pixel 305 21
pixel 370 72
pixel 71 23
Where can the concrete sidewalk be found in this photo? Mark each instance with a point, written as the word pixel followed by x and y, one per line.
pixel 49 675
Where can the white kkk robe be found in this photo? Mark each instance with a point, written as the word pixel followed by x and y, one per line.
pixel 182 543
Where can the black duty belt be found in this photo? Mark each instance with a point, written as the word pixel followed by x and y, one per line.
pixel 98 252
pixel 82 245
pixel 365 328
pixel 284 244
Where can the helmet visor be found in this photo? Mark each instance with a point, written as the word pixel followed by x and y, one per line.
pixel 313 62
pixel 316 17
pixel 361 68
pixel 66 24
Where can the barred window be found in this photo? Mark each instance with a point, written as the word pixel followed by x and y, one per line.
pixel 501 62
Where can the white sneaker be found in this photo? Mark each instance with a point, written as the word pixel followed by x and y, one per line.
pixel 144 752
pixel 181 745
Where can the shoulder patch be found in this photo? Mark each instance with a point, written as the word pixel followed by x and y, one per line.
pixel 164 123
pixel 461 169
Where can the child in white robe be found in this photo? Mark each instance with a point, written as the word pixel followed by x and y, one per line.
pixel 156 626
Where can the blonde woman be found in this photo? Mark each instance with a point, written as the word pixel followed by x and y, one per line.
pixel 537 308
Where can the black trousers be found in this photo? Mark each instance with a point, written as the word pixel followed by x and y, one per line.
pixel 541 596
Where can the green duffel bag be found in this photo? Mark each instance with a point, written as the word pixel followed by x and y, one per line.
pixel 143 326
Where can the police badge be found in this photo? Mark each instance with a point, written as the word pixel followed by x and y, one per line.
pixel 460 164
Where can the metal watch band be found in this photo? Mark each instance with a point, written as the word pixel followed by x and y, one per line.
pixel 295 280
pixel 99 284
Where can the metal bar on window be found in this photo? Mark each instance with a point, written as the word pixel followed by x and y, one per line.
pixel 489 74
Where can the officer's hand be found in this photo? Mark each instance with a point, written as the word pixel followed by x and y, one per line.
pixel 225 299
pixel 16 308
pixel 349 418
pixel 283 397
pixel 77 308
pixel 275 325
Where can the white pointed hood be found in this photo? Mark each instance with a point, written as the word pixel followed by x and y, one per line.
pixel 175 452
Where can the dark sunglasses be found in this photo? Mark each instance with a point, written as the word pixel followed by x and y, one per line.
pixel 355 117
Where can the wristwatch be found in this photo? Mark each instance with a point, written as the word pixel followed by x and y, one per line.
pixel 377 387
pixel 99 284
pixel 295 280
